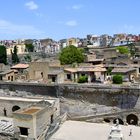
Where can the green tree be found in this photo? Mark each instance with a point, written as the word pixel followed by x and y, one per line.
pixel 117 79
pixel 29 47
pixel 132 48
pixel 3 54
pixel 70 55
pixel 123 50
pixel 15 58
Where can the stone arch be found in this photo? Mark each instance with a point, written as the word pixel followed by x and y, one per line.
pixel 120 121
pixel 15 108
pixel 132 76
pixel 107 120
pixel 132 119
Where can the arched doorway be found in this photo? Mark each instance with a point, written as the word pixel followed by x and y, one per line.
pixel 106 120
pixel 120 121
pixel 15 108
pixel 132 119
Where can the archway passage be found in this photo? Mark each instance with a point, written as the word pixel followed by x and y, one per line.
pixel 106 120
pixel 15 108
pixel 120 121
pixel 132 119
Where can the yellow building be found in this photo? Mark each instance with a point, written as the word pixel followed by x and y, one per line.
pixel 72 41
pixel 21 49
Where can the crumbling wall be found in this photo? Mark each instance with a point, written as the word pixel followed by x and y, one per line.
pixel 124 98
pixel 121 97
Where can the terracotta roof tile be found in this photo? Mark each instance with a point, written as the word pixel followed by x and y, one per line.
pixel 20 66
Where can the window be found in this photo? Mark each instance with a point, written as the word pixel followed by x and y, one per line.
pixel 8 77
pixel 1 78
pixel 69 76
pixel 51 118
pixel 70 42
pixel 53 79
pixel 23 131
pixel 135 62
pixel 5 112
pixel 11 78
pixel 42 74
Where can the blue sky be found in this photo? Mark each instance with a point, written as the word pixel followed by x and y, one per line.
pixel 60 19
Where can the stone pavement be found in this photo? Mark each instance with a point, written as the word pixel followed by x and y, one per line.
pixel 75 130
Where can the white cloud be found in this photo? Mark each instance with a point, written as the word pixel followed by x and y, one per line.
pixel 31 5
pixel 9 29
pixel 77 7
pixel 72 23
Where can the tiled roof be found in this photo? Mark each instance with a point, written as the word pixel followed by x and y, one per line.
pixel 5 72
pixel 86 69
pixel 123 70
pixel 73 70
pixel 20 66
pixel 95 69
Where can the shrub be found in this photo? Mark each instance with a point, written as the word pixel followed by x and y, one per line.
pixel 28 58
pixel 83 79
pixel 117 79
